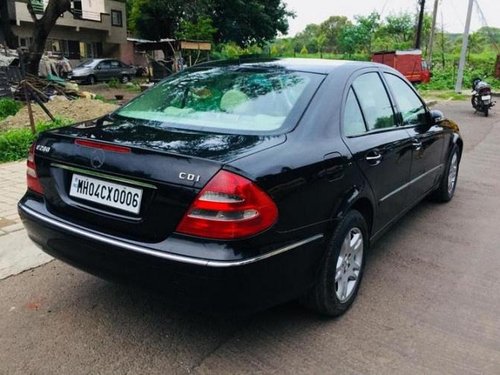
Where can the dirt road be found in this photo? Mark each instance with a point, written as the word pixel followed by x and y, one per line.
pixel 429 304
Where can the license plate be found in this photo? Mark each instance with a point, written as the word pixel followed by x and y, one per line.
pixel 486 97
pixel 109 194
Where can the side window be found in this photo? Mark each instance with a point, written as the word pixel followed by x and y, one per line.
pixel 374 101
pixel 411 107
pixel 115 64
pixel 105 65
pixel 354 124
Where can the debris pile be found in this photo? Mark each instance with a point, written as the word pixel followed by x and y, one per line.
pixel 46 88
pixel 45 97
pixel 77 110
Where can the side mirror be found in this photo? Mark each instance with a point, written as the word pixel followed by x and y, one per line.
pixel 436 117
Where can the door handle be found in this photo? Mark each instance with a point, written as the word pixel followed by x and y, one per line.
pixel 373 157
pixel 417 145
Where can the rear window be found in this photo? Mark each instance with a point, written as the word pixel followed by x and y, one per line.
pixel 225 99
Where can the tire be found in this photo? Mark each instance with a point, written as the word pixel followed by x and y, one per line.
pixel 342 270
pixel 486 112
pixel 92 80
pixel 125 79
pixel 446 190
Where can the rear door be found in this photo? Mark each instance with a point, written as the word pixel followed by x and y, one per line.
pixel 427 140
pixel 380 148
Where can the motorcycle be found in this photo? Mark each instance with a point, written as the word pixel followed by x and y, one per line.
pixel 481 96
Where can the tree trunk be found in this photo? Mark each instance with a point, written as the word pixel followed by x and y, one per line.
pixel 10 37
pixel 41 31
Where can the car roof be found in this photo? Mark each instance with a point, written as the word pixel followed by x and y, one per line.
pixel 321 66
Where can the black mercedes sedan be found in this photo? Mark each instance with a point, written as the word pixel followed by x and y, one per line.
pixel 243 184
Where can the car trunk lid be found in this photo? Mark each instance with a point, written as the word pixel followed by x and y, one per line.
pixel 84 170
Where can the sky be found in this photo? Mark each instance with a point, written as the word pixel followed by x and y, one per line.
pixel 453 12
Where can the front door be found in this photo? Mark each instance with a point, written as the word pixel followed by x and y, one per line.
pixel 427 140
pixel 382 150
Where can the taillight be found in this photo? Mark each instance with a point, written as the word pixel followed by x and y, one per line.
pixel 31 176
pixel 229 207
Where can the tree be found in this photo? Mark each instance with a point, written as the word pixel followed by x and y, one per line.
pixel 307 37
pixel 157 19
pixel 366 28
pixel 202 29
pixel 477 43
pixel 400 27
pixel 332 29
pixel 350 39
pixel 239 21
pixel 249 21
pixel 320 41
pixel 42 28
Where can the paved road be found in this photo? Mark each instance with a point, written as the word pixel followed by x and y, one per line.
pixel 429 304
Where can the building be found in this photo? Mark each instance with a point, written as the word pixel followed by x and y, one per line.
pixel 94 28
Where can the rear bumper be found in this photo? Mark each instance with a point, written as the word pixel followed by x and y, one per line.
pixel 244 285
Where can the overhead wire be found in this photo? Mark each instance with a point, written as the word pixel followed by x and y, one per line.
pixel 485 24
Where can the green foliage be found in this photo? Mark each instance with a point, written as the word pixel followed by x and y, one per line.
pixel 359 37
pixel 242 22
pixel 9 107
pixel 113 83
pixel 332 29
pixel 320 41
pixel 14 143
pixel 232 51
pixel 479 65
pixel 202 29
pixel 366 35
pixel 306 38
pixel 304 51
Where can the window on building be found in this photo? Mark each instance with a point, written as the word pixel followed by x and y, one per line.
pixel 116 18
pixel 25 42
pixel 77 9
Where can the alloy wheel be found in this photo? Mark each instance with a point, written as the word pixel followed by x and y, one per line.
pixel 349 265
pixel 452 174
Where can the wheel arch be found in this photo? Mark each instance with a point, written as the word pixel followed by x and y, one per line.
pixel 361 203
pixel 365 208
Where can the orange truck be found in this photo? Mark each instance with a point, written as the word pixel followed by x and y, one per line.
pixel 409 63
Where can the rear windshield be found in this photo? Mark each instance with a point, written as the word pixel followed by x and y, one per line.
pixel 225 99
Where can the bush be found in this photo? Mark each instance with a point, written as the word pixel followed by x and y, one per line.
pixel 9 107
pixel 478 65
pixel 113 83
pixel 14 143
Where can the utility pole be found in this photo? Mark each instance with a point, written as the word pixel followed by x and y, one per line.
pixel 433 30
pixel 420 24
pixel 465 41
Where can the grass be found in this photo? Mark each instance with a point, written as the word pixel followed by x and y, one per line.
pixel 443 95
pixel 14 143
pixel 104 100
pixel 9 107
